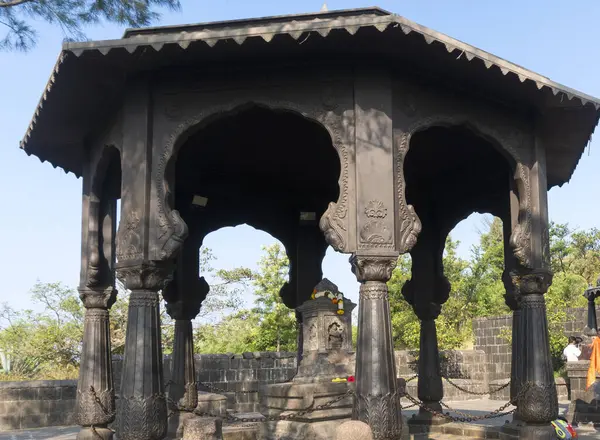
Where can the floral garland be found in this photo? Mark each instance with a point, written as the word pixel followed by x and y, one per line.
pixel 335 298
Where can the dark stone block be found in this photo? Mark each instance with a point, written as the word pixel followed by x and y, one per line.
pixel 49 393
pixel 68 393
pixel 34 421
pixel 10 422
pixel 28 393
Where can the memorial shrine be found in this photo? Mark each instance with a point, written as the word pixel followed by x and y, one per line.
pixel 355 129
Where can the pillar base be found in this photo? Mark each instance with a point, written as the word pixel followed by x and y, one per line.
pixel 523 431
pixel 424 417
pixel 95 433
pixel 176 422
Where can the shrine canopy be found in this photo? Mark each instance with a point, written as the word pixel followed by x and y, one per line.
pixel 89 79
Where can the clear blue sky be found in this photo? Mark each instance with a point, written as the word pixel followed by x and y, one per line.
pixel 41 206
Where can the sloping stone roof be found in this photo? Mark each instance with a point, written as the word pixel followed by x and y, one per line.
pixel 142 49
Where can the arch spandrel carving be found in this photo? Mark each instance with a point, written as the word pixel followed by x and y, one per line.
pixel 509 136
pixel 95 271
pixel 181 114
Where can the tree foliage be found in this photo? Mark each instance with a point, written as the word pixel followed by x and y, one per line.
pixel 72 16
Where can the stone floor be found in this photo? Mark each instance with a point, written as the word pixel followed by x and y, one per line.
pixel 473 407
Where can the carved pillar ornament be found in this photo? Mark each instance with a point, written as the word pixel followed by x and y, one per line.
pixel 377 400
pixel 143 406
pixel 95 407
pixel 537 402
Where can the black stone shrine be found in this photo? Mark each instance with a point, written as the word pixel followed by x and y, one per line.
pixel 355 129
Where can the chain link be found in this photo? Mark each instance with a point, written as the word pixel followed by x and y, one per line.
pixel 475 393
pixel 233 419
pixel 104 410
pixel 464 417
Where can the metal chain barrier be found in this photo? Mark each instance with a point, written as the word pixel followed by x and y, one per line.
pixel 464 417
pixel 475 393
pixel 233 419
pixel 102 408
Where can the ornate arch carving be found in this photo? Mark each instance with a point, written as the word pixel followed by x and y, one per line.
pixel 508 139
pixel 172 229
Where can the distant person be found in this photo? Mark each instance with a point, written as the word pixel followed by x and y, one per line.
pixel 571 351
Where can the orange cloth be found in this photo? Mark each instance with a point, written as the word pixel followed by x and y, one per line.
pixel 594 363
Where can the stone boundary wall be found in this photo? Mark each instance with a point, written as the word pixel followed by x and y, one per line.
pixel 37 404
pixel 27 405
pixel 489 335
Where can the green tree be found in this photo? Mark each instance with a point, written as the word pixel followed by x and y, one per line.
pixel 277 328
pixel 236 333
pixel 46 343
pixel 71 16
pixel 452 327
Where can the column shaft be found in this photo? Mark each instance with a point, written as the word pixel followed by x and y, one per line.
pixel 377 399
pixel 95 406
pixel 430 387
pixel 143 412
pixel 183 389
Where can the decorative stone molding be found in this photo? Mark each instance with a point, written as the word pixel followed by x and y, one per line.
pixel 382 412
pixel 98 298
pixel 535 282
pixel 129 243
pixel 373 267
pixel 373 291
pixel 145 276
pixel 144 418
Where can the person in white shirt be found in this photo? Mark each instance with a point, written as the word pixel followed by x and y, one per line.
pixel 571 352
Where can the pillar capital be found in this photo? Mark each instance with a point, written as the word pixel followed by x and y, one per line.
pixel 371 267
pixel 145 276
pixel 98 298
pixel 531 282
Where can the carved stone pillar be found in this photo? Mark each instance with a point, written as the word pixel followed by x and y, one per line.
pixel 183 388
pixel 537 402
pixel 95 407
pixel 377 401
pixel 516 363
pixel 143 406
pixel 430 387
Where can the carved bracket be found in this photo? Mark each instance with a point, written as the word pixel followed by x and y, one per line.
pixel 146 276
pixel 98 298
pixel 535 282
pixel 373 267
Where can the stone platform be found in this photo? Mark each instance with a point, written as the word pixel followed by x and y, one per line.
pixel 247 431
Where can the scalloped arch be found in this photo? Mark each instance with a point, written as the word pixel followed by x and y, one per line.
pixel 169 221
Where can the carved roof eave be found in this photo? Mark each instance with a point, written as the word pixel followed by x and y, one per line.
pixel 296 27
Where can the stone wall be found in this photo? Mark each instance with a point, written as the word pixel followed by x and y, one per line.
pixel 238 376
pixel 490 337
pixel 36 404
